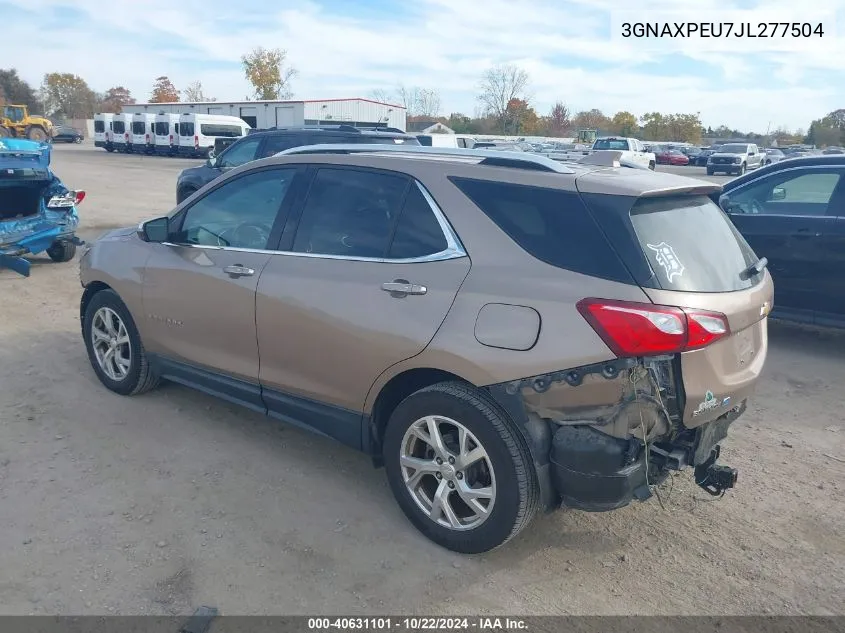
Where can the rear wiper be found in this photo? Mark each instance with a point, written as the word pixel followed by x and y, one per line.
pixel 754 269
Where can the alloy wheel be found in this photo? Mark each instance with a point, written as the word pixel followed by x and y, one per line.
pixel 110 340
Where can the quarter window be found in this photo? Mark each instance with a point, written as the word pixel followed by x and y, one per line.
pixel 349 213
pixel 240 153
pixel 239 214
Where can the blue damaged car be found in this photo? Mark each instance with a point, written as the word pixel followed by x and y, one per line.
pixel 37 212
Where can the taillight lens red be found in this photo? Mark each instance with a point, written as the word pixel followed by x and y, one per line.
pixel 196 141
pixel 171 139
pixel 644 329
pixel 78 196
pixel 148 138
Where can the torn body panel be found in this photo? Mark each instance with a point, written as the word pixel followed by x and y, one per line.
pixel 602 435
pixel 36 210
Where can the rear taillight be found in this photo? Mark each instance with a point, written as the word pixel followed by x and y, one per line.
pixel 148 138
pixel 126 137
pixel 78 196
pixel 645 329
pixel 171 139
pixel 196 141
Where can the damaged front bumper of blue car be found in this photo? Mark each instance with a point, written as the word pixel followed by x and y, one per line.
pixel 37 212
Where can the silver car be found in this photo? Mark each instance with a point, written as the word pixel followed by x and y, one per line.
pixel 735 158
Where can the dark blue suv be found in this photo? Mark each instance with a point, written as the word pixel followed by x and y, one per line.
pixel 263 143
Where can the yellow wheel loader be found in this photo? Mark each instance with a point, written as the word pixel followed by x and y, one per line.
pixel 16 122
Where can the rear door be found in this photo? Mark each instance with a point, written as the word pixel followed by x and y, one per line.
pixel 833 270
pixel 684 252
pixel 364 276
pixel 784 217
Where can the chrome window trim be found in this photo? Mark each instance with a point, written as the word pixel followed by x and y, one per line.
pixel 454 248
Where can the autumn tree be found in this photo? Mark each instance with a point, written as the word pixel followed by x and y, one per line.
pixel 15 90
pixel 417 101
pixel 267 71
pixel 624 124
pixel 591 120
pixel 559 120
pixel 499 85
pixel 685 128
pixel 164 91
pixel 115 98
pixel 521 118
pixel 68 95
pixel 194 93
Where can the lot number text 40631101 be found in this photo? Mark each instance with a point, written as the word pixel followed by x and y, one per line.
pixel 717 30
pixel 409 624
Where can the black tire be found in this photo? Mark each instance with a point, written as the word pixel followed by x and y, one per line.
pixel 184 194
pixel 651 165
pixel 62 251
pixel 140 377
pixel 36 133
pixel 710 172
pixel 517 489
pixel 110 149
pixel 5 133
pixel 742 169
pixel 77 140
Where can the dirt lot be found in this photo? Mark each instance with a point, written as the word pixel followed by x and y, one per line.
pixel 164 502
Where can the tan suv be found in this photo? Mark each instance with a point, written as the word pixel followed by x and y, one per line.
pixel 500 331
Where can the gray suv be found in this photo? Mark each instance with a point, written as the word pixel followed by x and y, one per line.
pixel 735 158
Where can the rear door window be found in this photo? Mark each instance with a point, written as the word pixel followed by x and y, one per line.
pixel 162 128
pixel 186 128
pixel 691 245
pixel 99 127
pixel 138 127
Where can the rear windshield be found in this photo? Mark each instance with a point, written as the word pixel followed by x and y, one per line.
pixel 691 244
pixel 138 127
pixel 186 128
pixel 162 128
pixel 733 148
pixel 119 127
pixel 606 143
pixel 99 126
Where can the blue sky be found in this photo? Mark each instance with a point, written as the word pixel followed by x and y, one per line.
pixel 572 50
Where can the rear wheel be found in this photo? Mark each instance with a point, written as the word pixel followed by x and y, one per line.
pixel 459 469
pixel 651 165
pixel 77 140
pixel 710 172
pixel 36 133
pixel 114 346
pixel 5 133
pixel 62 251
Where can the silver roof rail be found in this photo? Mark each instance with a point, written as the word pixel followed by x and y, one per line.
pixel 493 158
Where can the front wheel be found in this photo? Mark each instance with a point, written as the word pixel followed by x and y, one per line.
pixel 36 134
pixel 114 346
pixel 651 165
pixel 62 251
pixel 77 140
pixel 459 468
pixel 742 169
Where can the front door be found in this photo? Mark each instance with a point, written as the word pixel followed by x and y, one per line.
pixel 199 286
pixel 784 218
pixel 363 282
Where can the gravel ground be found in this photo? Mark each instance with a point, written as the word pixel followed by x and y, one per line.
pixel 164 502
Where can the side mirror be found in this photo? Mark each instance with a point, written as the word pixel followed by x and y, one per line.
pixel 778 193
pixel 155 231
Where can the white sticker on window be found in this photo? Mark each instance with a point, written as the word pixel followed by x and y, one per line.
pixel 668 259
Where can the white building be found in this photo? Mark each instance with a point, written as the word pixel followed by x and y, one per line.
pixel 266 114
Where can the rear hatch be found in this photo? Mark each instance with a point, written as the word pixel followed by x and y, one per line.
pixel 24 174
pixel 693 264
pixel 140 136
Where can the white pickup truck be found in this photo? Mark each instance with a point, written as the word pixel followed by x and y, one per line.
pixel 633 153
pixel 632 150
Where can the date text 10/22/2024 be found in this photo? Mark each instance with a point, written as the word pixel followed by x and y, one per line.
pixel 403 624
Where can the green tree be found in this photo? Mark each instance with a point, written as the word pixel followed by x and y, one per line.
pixel 164 91
pixel 15 90
pixel 625 124
pixel 268 73
pixel 591 120
pixel 68 95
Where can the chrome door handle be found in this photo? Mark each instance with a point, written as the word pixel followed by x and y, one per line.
pixel 238 271
pixel 401 287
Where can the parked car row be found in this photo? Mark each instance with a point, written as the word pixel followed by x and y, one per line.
pixel 190 135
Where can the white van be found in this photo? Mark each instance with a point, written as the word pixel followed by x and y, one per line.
pixel 143 140
pixel 121 126
pixel 166 129
pixel 102 130
pixel 197 132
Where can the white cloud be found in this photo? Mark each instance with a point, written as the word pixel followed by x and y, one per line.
pixel 564 45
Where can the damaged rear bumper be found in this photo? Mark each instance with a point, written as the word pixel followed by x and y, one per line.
pixel 602 436
pixel 13 253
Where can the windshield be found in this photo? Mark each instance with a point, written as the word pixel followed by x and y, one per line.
pixel 691 244
pixel 733 148
pixel 607 143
